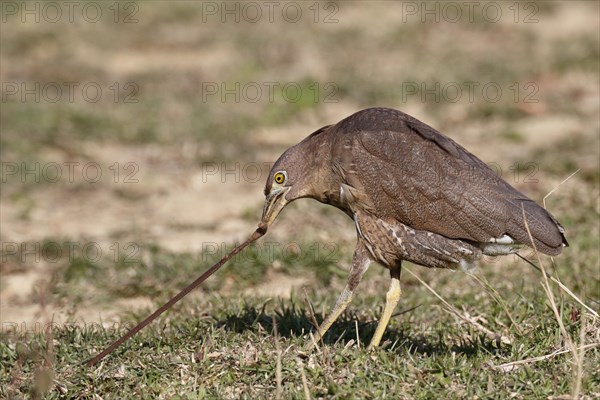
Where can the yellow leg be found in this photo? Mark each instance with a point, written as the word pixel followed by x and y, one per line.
pixel 360 264
pixel 391 300
pixel 342 302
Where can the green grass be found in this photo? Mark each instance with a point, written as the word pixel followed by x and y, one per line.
pixel 226 347
pixel 220 344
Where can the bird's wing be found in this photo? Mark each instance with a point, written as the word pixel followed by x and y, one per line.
pixel 425 180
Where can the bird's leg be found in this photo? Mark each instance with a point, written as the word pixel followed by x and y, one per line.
pixel 391 300
pixel 360 264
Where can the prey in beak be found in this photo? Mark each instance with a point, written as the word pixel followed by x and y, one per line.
pixel 274 203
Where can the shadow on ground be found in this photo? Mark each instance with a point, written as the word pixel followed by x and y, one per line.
pixel 294 322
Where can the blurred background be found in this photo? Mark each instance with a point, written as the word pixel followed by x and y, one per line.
pixel 137 137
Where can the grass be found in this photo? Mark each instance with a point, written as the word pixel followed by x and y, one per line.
pixel 220 348
pixel 220 344
pixel 244 333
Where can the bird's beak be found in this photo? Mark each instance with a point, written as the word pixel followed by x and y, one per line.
pixel 274 203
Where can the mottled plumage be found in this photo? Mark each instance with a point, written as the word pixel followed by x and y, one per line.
pixel 413 193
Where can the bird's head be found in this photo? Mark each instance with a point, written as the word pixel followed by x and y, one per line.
pixel 296 174
pixel 287 182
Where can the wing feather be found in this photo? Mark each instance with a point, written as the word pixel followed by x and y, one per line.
pixel 411 172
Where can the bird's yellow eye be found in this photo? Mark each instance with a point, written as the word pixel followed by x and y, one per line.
pixel 279 177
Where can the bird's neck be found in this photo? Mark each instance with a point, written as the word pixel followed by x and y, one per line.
pixel 325 182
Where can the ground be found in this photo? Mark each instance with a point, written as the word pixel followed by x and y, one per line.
pixel 135 143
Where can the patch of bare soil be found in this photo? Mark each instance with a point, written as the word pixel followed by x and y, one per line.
pixel 161 197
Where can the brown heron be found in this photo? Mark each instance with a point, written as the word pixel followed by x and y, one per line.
pixel 414 194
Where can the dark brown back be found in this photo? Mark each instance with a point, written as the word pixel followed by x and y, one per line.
pixel 407 170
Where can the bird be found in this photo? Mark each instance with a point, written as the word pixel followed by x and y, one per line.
pixel 414 195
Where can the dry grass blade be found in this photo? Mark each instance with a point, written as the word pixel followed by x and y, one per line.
pixel 316 324
pixel 462 317
pixel 547 289
pixel 307 395
pixel 495 296
pixel 278 369
pixel 558 282
pixel 557 186
pixel 561 285
pixel 514 364
pixel 563 330
pixel 579 370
